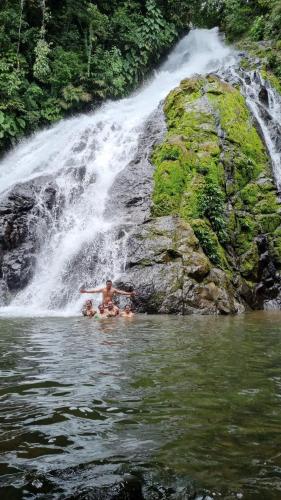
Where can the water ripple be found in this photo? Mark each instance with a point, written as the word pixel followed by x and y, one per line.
pixel 169 399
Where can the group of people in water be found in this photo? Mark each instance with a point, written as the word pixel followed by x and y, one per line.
pixel 107 309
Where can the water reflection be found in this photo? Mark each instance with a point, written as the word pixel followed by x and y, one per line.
pixel 179 401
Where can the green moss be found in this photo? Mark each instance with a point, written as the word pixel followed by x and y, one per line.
pixel 189 203
pixel 247 229
pixel 257 199
pixel 170 182
pixel 268 222
pixel 276 245
pixel 236 122
pixel 221 186
pixel 249 263
pixel 209 242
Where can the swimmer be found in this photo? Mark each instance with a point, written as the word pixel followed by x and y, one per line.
pixel 112 311
pixel 127 313
pixel 101 313
pixel 88 309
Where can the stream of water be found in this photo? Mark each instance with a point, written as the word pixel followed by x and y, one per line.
pixel 185 405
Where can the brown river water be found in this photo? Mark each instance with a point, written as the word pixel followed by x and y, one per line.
pixel 182 407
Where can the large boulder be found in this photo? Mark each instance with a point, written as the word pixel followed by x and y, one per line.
pixel 171 273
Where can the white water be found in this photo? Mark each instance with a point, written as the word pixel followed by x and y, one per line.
pixel 268 116
pixel 103 143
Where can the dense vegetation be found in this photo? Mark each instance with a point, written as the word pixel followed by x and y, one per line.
pixel 61 56
pixel 256 24
pixel 258 18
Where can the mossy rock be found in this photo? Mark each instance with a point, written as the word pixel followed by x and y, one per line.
pixel 249 263
pixel 266 57
pixel 276 245
pixel 211 140
pixel 268 222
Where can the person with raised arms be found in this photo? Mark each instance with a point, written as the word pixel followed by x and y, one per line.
pixel 108 292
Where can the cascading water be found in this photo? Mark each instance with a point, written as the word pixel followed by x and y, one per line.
pixel 83 155
pixel 265 105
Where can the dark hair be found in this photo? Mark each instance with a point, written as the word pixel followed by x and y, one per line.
pixel 108 281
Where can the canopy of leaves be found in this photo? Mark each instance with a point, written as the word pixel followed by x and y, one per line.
pixel 63 56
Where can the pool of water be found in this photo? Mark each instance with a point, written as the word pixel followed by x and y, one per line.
pixel 186 407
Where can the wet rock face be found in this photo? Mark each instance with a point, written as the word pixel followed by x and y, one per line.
pixel 269 281
pixel 168 268
pixel 131 193
pixel 25 214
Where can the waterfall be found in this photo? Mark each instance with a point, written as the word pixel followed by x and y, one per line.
pixel 83 156
pixel 265 105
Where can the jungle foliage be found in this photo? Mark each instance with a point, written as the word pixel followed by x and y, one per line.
pixel 257 18
pixel 62 56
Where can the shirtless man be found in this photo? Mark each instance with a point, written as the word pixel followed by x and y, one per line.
pixel 127 313
pixel 101 313
pixel 108 292
pixel 88 309
pixel 112 310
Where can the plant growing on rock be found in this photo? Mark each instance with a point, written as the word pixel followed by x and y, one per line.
pixel 211 204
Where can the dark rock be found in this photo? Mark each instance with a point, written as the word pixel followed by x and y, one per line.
pixel 26 212
pixel 269 283
pixel 263 95
pixel 131 192
pixel 4 293
pixel 17 266
pixel 171 273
